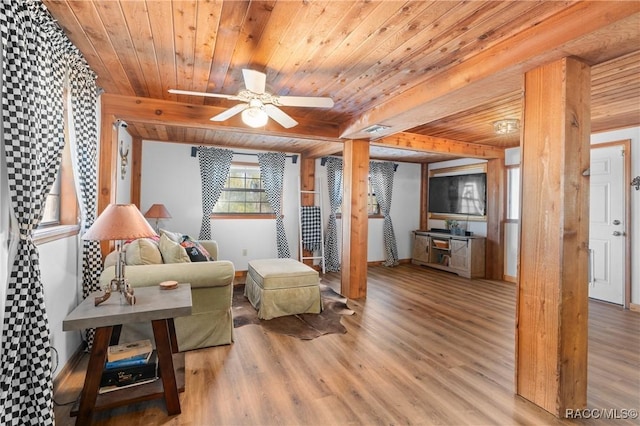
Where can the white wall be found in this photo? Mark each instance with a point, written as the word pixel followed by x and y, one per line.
pixel 405 212
pixel 633 134
pixel 59 266
pixel 172 177
pixel 478 228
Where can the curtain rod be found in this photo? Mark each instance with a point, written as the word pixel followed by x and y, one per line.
pixel 323 161
pixel 294 157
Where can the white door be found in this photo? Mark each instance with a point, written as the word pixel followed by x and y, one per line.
pixel 606 230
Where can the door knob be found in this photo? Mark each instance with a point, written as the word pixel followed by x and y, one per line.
pixel 616 222
pixel 617 233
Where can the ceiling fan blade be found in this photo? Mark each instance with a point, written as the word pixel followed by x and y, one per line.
pixel 205 94
pixel 306 101
pixel 230 112
pixel 280 116
pixel 254 81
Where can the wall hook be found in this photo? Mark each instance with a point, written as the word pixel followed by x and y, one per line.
pixel 636 182
pixel 124 159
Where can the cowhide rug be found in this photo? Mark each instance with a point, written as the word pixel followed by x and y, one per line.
pixel 303 326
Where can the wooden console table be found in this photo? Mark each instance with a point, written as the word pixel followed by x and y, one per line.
pixel 152 304
pixel 460 254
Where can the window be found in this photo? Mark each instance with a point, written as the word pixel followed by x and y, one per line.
pixel 373 208
pixel 60 216
pixel 243 193
pixel 513 193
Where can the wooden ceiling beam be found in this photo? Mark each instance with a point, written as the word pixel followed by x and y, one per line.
pixel 416 142
pixel 329 148
pixel 494 71
pixel 157 111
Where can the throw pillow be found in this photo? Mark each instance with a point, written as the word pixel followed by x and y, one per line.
pixel 143 251
pixel 195 250
pixel 172 252
pixel 111 259
pixel 173 236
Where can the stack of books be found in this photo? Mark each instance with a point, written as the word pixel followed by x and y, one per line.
pixel 129 364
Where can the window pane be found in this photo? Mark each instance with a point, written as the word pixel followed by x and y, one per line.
pixel 51 213
pixel 513 193
pixel 254 183
pixel 236 196
pixel 235 182
pixel 252 208
pixel 254 196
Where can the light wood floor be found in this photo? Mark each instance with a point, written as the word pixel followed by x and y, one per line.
pixel 425 347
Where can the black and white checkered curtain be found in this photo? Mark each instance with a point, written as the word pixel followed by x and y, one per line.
pixel 83 111
pixel 32 126
pixel 214 169
pixel 334 181
pixel 382 181
pixel 272 172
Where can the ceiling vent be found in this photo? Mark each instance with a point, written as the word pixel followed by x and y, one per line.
pixel 376 128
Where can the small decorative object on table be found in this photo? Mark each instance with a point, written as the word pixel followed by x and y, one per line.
pixel 168 285
pixel 453 226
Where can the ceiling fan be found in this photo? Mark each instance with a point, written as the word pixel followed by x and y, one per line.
pixel 259 105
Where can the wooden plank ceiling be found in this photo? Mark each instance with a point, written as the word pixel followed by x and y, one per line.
pixel 439 73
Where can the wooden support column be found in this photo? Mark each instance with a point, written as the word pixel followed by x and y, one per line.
pixel 424 196
pixel 552 304
pixel 494 254
pixel 136 170
pixel 355 219
pixel 307 183
pixel 107 171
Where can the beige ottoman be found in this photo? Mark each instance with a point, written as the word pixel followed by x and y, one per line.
pixel 279 287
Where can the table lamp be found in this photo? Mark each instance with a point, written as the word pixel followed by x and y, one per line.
pixel 157 212
pixel 119 222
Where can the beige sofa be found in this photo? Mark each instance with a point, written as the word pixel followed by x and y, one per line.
pixel 211 320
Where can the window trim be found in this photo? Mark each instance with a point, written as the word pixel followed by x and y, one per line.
pixel 54 232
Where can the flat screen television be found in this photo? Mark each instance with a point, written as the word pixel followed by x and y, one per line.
pixel 458 194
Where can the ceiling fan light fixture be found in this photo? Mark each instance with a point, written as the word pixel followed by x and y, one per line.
pixel 505 127
pixel 254 117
